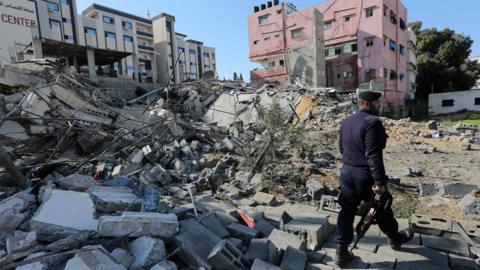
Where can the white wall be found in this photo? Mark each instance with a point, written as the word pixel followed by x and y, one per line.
pixel 464 100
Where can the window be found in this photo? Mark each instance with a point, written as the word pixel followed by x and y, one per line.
pixel 54 24
pixel 393 75
pixel 271 64
pixel 205 54
pixel 110 35
pixel 65 2
pixel 256 42
pixel 402 50
pixel 385 11
pixel 447 103
pixel 297 33
pixel 403 25
pixel 282 63
pixel 369 12
pixel 338 51
pixel 477 101
pixel 192 52
pixel 369 42
pixel 277 36
pixel 327 25
pixel 354 47
pixel 52 6
pixel 263 19
pixel 393 45
pixel 90 31
pixel 348 74
pixel 393 18
pixel 67 20
pixel 347 18
pixel 267 38
pixel 127 25
pixel 385 40
pixel 339 76
pixel 128 39
pixel 108 20
pixel 402 76
pixel 181 50
pixel 68 37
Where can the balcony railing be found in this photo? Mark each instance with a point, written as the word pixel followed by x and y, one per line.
pixel 146 48
pixel 145 34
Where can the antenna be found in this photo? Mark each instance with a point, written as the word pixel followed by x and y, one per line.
pixel 147 13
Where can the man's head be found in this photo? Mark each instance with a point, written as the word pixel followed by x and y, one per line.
pixel 370 101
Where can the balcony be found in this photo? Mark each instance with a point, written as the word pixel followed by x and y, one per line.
pixel 145 34
pixel 275 75
pixel 145 48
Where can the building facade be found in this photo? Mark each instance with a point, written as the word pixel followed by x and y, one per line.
pixel 453 102
pixel 180 59
pixel 287 43
pixel 411 65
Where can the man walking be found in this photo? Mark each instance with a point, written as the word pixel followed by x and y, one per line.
pixel 362 140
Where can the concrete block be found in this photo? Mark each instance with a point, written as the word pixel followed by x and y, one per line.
pixel 460 262
pixel 146 251
pixel 136 224
pixel 319 266
pixel 470 205
pixel 21 241
pixel 472 227
pixel 293 259
pixel 113 199
pixel 415 257
pixel 356 263
pixel 259 264
pixel 264 226
pixel 212 223
pixel 32 266
pixel 455 246
pixel 11 209
pixel 263 198
pixel 96 259
pixel 430 224
pixel 313 230
pixel 330 203
pixel 164 265
pixel 315 189
pixel 13 130
pixel 196 243
pixel 64 213
pixel 117 170
pixel 242 232
pixel 226 256
pixel 283 239
pixel 76 182
pixel 121 256
pixel 263 249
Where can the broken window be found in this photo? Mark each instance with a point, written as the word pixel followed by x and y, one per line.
pixel 338 51
pixel 282 63
pixel 393 45
pixel 354 47
pixel 263 19
pixel 403 25
pixel 339 76
pixel 347 18
pixel 127 25
pixel 385 73
pixel 108 20
pixel 393 17
pixel 447 103
pixel 327 25
pixel 402 50
pixel 477 101
pixel 369 42
pixel 256 42
pixel 297 33
pixel 369 12
pixel 393 75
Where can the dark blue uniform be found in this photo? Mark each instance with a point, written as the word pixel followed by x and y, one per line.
pixel 362 140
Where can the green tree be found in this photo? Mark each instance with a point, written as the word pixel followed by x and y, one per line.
pixel 235 77
pixel 442 61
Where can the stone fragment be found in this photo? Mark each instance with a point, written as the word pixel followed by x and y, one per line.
pixel 242 232
pixel 226 256
pixel 21 241
pixel 470 205
pixel 76 182
pixel 212 223
pixel 283 239
pixel 96 259
pixel 315 229
pixel 164 265
pixel 38 130
pixel 315 189
pixel 13 130
pixel 263 249
pixel 136 224
pixel 121 256
pixel 146 251
pixel 11 209
pixel 32 266
pixel 113 199
pixel 263 198
pixel 293 259
pixel 432 125
pixel 64 213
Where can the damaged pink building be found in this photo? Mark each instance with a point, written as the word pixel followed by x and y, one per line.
pixel 365 44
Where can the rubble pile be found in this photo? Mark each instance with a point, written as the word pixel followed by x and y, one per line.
pixel 202 175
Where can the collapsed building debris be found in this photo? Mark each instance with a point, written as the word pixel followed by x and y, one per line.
pixel 202 175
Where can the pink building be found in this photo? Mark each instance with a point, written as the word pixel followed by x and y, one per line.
pixel 365 45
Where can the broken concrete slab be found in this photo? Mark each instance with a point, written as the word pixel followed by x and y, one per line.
pixel 96 259
pixel 13 130
pixel 121 256
pixel 455 246
pixel 431 225
pixel 32 266
pixel 470 205
pixel 164 265
pixel 242 232
pixel 415 257
pixel 260 264
pixel 283 239
pixel 158 174
pixel 263 249
pixel 135 224
pixel 263 226
pixel 263 198
pixel 113 199
pixel 76 182
pixel 64 213
pixel 314 229
pixel 11 209
pixel 146 251
pixel 293 259
pixel 21 241
pixel 212 223
pixel 38 130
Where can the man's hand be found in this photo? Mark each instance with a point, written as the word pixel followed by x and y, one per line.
pixel 378 190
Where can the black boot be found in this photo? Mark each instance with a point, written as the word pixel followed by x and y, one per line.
pixel 343 255
pixel 397 240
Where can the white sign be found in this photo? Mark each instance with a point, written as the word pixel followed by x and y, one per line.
pixel 18 26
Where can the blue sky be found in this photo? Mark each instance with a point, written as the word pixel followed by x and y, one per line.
pixel 223 23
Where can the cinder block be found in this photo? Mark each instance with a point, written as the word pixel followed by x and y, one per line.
pixel 293 259
pixel 226 256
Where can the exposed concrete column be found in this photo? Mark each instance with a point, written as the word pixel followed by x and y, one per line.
pixel 76 64
pixel 120 68
pixel 319 75
pixel 135 66
pixel 37 48
pixel 91 63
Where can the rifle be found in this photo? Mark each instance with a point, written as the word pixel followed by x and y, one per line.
pixel 379 204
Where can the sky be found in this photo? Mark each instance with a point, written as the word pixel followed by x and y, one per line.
pixel 223 23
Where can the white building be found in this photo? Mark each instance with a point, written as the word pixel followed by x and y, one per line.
pixel 453 102
pixel 476 58
pixel 193 57
pixel 411 65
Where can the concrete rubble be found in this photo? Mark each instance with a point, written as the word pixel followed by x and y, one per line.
pixel 201 175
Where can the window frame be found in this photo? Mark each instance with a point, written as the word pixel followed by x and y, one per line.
pixel 263 20
pixel 297 33
pixel 110 21
pixel 327 25
pixel 369 12
pixel 369 42
pixel 49 4
pixel 448 102
pixel 476 101
pixel 125 23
